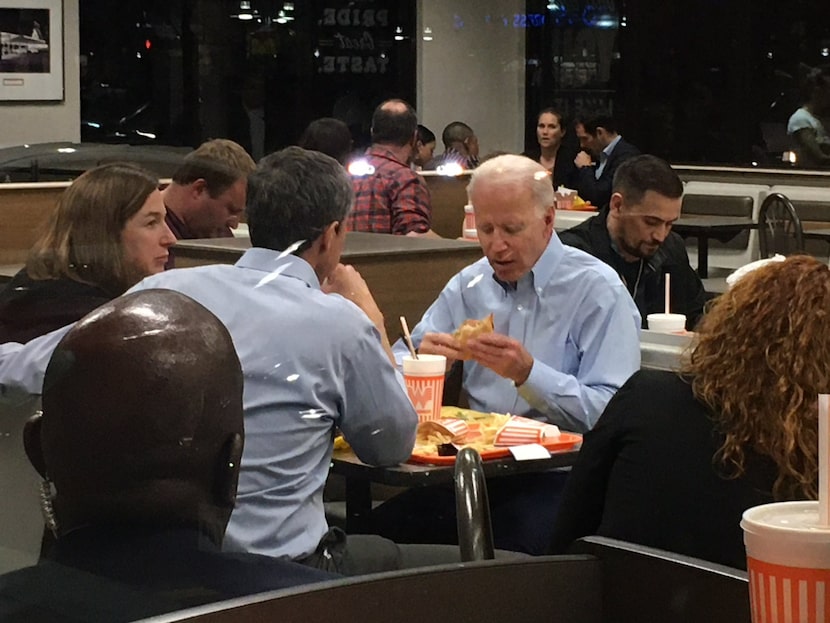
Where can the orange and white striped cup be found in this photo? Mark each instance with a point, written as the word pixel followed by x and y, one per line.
pixel 521 430
pixel 424 379
pixel 788 560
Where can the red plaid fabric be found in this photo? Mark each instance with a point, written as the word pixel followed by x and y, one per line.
pixel 391 200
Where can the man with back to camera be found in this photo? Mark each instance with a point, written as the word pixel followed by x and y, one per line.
pixel 566 338
pixel 390 198
pixel 141 436
pixel 460 147
pixel 207 194
pixel 304 374
pixel 603 150
pixel 633 235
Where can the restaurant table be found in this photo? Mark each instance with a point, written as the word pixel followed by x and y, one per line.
pixel 703 227
pixel 565 219
pixel 7 271
pixel 359 478
pixel 817 233
pixel 405 274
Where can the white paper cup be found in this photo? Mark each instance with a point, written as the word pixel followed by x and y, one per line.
pixel 788 560
pixel 666 323
pixel 424 378
pixel 468 229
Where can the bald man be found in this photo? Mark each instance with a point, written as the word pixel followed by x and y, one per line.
pixel 390 198
pixel 140 441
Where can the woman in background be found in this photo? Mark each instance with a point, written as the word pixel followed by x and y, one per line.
pixel 806 125
pixel 106 234
pixel 675 459
pixel 552 153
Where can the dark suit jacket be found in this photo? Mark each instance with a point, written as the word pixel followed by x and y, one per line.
pixel 598 191
pixel 121 574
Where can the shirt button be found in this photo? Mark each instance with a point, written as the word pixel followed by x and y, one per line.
pixel 519 307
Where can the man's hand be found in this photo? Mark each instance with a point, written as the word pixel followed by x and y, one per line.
pixel 503 355
pixel 441 344
pixel 347 282
pixel 583 159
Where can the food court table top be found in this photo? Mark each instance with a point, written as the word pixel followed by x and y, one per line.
pixel 703 227
pixel 405 274
pixel 359 477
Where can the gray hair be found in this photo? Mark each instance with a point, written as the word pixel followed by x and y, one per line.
pixel 520 171
pixel 293 195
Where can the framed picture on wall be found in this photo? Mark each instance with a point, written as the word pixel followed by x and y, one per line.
pixel 31 50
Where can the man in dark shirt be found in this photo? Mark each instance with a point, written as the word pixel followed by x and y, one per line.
pixel 460 147
pixel 142 436
pixel 390 198
pixel 603 150
pixel 633 235
pixel 207 194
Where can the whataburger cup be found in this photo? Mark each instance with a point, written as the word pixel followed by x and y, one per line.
pixel 424 378
pixel 788 559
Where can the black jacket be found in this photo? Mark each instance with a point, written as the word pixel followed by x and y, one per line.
pixel 646 474
pixel 598 191
pixel 30 308
pixel 564 170
pixel 687 293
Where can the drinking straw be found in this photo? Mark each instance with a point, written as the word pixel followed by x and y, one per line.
pixel 408 338
pixel 823 460
pixel 668 288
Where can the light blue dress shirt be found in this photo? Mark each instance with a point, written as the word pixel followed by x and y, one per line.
pixel 311 362
pixel 604 155
pixel 574 316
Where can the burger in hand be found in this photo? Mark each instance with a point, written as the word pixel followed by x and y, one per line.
pixel 472 328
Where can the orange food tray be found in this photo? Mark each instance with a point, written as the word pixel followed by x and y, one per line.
pixel 565 441
pixel 586 207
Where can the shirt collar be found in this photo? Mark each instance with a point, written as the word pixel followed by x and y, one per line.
pixel 544 268
pixel 382 152
pixel 607 151
pixel 276 265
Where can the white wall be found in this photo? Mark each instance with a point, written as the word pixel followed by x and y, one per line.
pixel 472 70
pixel 50 121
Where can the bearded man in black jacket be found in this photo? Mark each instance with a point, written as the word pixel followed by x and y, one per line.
pixel 633 235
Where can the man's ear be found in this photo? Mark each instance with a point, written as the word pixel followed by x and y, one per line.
pixel 616 203
pixel 199 186
pixel 227 472
pixel 32 444
pixel 328 235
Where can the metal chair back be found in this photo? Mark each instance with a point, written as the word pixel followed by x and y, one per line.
pixel 779 227
pixel 475 533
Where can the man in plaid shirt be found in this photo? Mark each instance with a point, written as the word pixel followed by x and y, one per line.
pixel 390 198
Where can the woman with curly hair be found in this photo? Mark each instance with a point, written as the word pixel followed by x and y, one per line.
pixel 676 458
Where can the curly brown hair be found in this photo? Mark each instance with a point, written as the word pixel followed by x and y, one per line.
pixel 758 361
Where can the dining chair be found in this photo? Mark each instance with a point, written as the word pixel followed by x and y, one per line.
pixel 472 507
pixel 779 227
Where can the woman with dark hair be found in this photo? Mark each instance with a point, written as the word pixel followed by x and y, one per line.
pixel 552 153
pixel 329 136
pixel 106 234
pixel 806 125
pixel 675 459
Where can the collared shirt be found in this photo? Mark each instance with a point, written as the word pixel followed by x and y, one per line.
pixel 311 362
pixel 391 200
pixel 452 155
pixel 182 232
pixel 573 315
pixel 604 154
